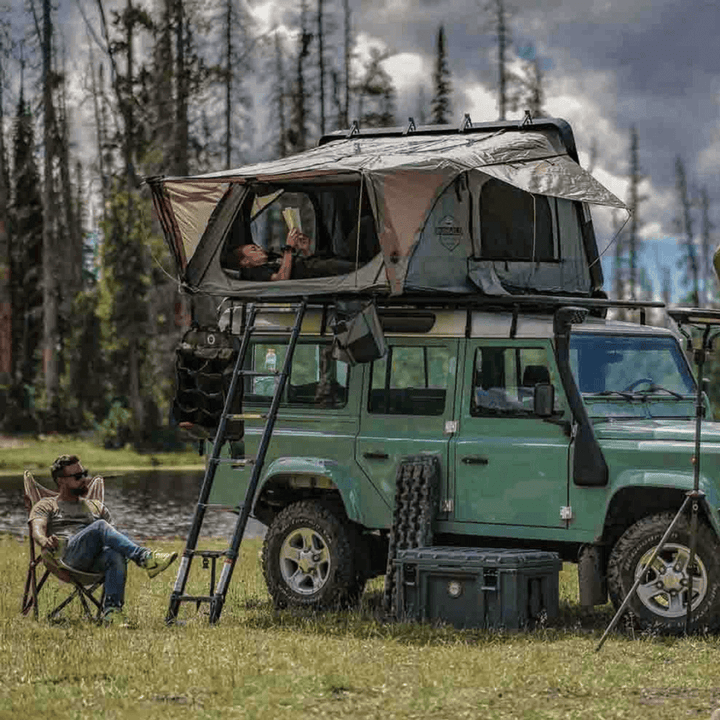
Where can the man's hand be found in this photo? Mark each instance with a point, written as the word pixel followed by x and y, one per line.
pixel 46 542
pixel 299 241
pixel 50 543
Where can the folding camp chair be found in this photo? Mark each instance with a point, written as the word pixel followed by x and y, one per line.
pixel 86 585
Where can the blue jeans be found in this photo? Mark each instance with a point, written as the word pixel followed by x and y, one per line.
pixel 99 548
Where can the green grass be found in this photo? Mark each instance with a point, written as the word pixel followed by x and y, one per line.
pixel 37 454
pixel 258 663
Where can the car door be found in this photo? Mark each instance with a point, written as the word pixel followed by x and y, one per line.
pixel 409 398
pixel 510 466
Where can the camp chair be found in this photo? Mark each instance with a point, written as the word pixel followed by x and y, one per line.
pixel 85 584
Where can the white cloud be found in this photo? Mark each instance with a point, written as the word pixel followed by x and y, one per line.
pixel 264 15
pixel 480 102
pixel 407 70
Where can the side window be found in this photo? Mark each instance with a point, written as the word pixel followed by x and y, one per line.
pixel 504 380
pixel 316 379
pixel 410 381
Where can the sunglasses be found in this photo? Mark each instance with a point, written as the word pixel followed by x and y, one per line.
pixel 78 475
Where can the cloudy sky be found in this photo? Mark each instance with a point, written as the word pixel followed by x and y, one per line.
pixel 607 66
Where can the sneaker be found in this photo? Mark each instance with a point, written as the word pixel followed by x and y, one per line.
pixel 114 616
pixel 155 562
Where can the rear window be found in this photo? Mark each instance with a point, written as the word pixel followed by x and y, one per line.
pixel 410 381
pixel 316 378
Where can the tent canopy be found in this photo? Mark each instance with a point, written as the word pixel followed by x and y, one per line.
pixel 497 210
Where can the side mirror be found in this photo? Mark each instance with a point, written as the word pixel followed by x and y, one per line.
pixel 544 399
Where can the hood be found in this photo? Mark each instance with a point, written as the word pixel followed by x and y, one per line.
pixel 658 430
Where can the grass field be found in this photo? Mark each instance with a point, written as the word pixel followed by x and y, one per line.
pixel 37 453
pixel 256 663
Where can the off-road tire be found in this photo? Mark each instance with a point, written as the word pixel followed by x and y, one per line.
pixel 416 498
pixel 334 580
pixel 658 603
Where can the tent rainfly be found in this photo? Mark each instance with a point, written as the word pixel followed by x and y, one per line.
pixel 492 209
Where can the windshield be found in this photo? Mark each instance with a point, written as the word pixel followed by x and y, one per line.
pixel 637 365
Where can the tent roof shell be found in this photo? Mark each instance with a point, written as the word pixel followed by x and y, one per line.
pixel 539 158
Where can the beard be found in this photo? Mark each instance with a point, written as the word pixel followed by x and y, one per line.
pixel 79 491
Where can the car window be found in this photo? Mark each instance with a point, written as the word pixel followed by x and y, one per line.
pixel 410 381
pixel 316 378
pixel 504 379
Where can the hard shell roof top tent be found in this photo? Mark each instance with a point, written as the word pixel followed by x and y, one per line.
pixel 490 209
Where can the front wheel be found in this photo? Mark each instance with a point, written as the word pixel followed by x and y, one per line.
pixel 309 558
pixel 662 596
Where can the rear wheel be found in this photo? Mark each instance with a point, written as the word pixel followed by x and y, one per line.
pixel 309 558
pixel 662 596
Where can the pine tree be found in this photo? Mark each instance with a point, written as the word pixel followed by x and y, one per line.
pixel 344 120
pixel 527 87
pixel 298 130
pixel 51 280
pixel 440 106
pixel 6 348
pixel 27 250
pixel 321 61
pixel 684 223
pixel 376 93
pixel 279 96
pixel 706 245
pixel 634 201
pixel 498 13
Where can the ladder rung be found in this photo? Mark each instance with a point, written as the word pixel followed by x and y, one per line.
pixel 259 373
pixel 241 463
pixel 216 506
pixel 247 416
pixel 208 553
pixel 196 598
pixel 234 461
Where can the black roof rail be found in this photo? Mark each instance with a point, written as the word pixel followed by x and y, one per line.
pixel 537 303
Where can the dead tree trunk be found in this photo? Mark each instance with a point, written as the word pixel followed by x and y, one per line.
pixel 51 327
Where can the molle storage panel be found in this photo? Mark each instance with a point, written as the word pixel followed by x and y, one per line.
pixel 204 363
pixel 477 587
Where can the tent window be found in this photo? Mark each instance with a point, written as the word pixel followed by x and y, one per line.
pixel 514 224
pixel 328 215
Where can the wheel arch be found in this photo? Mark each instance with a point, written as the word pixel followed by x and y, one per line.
pixel 290 480
pixel 633 502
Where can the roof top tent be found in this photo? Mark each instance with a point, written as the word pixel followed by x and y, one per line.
pixel 490 208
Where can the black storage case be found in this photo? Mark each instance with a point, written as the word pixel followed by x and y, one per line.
pixel 477 587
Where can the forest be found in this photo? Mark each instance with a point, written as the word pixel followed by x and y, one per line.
pixel 90 311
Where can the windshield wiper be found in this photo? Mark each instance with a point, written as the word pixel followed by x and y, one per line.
pixel 606 393
pixel 658 388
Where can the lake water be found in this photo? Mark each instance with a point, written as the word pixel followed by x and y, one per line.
pixel 156 503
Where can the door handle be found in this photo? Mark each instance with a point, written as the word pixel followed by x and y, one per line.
pixel 475 460
pixel 376 455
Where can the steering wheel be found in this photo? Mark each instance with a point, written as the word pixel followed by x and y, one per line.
pixel 633 385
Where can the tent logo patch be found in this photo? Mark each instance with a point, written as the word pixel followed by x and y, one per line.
pixel 448 232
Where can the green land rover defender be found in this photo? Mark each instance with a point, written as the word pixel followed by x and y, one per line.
pixel 500 408
pixel 579 442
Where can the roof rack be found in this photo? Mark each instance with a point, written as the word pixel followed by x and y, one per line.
pixel 466 127
pixel 540 304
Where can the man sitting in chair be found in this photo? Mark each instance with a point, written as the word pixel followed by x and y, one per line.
pixel 77 532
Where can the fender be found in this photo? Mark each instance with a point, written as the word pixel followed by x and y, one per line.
pixel 317 473
pixel 683 481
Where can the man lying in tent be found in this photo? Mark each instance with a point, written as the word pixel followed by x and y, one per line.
pixel 296 261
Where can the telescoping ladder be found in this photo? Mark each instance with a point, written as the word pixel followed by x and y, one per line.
pixel 216 598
